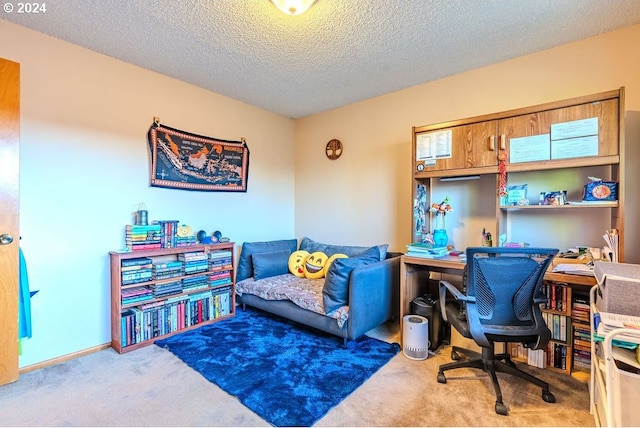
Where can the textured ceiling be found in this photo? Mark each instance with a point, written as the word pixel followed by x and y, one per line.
pixel 337 53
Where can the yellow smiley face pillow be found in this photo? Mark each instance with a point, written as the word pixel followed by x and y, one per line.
pixel 314 265
pixel 296 262
pixel 331 259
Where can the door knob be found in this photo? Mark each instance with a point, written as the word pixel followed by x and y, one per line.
pixel 6 239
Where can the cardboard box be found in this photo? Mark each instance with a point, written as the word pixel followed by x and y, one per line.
pixel 618 288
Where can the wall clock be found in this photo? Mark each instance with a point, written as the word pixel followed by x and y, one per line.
pixel 333 149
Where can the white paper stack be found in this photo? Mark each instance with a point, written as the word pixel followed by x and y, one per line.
pixel 611 249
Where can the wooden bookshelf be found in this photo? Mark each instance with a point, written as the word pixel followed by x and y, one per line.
pixel 138 320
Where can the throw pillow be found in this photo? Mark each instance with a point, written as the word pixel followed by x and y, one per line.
pixel 350 250
pixel 245 263
pixel 314 265
pixel 270 264
pixel 335 292
pixel 296 262
pixel 331 259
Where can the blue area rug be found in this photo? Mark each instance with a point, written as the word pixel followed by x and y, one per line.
pixel 286 373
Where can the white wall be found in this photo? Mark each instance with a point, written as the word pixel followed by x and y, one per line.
pixel 365 196
pixel 84 168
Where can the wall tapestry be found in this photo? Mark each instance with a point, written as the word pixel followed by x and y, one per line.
pixel 182 160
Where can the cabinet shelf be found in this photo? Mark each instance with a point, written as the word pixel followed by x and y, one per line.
pixel 185 293
pixel 571 205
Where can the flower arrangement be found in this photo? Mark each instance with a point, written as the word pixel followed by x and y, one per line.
pixel 441 209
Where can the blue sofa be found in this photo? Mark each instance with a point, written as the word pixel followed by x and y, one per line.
pixel 371 276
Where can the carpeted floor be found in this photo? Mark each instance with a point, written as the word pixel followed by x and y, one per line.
pixel 152 387
pixel 288 374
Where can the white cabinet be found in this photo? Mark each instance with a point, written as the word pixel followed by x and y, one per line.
pixel 615 379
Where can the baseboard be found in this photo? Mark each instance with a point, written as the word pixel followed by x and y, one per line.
pixel 63 358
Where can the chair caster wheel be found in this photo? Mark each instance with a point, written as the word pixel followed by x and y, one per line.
pixel 548 397
pixel 455 356
pixel 501 409
pixel 441 378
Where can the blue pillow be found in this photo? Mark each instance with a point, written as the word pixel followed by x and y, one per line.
pixel 245 263
pixel 335 292
pixel 270 264
pixel 350 250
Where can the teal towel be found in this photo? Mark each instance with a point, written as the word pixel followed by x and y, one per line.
pixel 24 300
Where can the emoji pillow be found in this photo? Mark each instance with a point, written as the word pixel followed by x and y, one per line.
pixel 296 262
pixel 331 259
pixel 314 265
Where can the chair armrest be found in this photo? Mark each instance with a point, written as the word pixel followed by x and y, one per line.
pixel 457 294
pixel 373 295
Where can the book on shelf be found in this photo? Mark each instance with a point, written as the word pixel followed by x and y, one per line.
pixel 557 355
pixel 140 273
pixel 193 255
pixel 135 268
pixel 135 291
pixel 168 275
pixel 420 249
pixel 574 269
pixel 136 261
pixel 220 255
pixel 168 265
pixel 605 322
pixel 195 278
pixel 141 247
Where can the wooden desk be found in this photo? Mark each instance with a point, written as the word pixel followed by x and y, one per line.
pixel 416 270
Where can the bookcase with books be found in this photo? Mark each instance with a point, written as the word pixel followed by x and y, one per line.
pixel 159 292
pixel 557 315
pixel 581 332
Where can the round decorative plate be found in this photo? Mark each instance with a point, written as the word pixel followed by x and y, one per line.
pixel 333 149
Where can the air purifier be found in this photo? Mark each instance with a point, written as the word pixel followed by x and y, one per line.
pixel 415 337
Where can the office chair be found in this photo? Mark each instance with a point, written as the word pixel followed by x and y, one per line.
pixel 501 304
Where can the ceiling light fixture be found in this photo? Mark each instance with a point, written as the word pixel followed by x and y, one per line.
pixel 293 7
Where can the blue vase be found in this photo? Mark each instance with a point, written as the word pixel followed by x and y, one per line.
pixel 440 237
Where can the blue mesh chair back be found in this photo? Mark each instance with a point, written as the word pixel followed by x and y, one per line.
pixel 506 283
pixel 500 303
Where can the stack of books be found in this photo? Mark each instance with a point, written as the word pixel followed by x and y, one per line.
pixel 186 241
pixel 162 289
pixel 170 269
pixel 605 322
pixel 220 260
pixel 136 295
pixel 218 279
pixel 419 249
pixel 195 282
pixel 581 332
pixel 169 229
pixel 136 270
pixel 139 237
pixel 194 262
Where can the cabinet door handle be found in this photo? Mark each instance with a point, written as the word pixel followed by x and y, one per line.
pixel 492 143
pixel 503 142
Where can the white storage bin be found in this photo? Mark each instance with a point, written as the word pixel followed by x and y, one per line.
pixel 618 288
pixel 626 409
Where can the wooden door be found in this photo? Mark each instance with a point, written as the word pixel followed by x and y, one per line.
pixel 9 210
